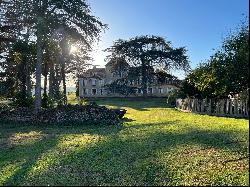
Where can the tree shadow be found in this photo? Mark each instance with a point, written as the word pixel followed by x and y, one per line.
pixel 133 161
pixel 140 104
pixel 28 155
pixel 125 119
pixel 120 159
pixel 213 114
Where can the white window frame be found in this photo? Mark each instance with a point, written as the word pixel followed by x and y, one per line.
pixel 151 90
pixel 160 90
pixel 93 82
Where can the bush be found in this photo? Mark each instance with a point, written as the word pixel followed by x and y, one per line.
pixel 22 100
pixel 4 108
pixel 83 101
pixel 172 98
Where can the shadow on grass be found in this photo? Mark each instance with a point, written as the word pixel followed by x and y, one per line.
pixel 124 158
pixel 28 155
pixel 125 119
pixel 213 114
pixel 140 104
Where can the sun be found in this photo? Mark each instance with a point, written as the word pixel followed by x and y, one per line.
pixel 73 49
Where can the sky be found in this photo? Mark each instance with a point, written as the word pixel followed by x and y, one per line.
pixel 198 25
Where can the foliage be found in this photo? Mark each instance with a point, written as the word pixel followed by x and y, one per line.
pixel 119 66
pixel 120 86
pixel 53 26
pixel 147 52
pixel 162 76
pixel 22 100
pixel 172 96
pixel 83 101
pixel 51 102
pixel 226 72
pixel 5 107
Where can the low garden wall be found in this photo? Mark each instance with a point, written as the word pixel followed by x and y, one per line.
pixel 69 114
pixel 219 107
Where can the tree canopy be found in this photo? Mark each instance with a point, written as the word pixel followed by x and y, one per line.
pixel 52 25
pixel 147 52
pixel 226 72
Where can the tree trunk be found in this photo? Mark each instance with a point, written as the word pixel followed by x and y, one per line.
pixel 144 79
pixel 64 45
pixel 28 83
pixel 23 75
pixel 64 83
pixel 24 70
pixel 57 79
pixel 45 78
pixel 51 80
pixel 38 64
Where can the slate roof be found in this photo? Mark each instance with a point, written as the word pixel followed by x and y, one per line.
pixel 98 73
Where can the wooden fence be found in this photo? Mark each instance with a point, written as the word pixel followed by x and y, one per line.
pixel 218 107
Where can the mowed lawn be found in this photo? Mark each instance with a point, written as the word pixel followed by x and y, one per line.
pixel 156 145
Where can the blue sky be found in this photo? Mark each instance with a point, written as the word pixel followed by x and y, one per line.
pixel 199 25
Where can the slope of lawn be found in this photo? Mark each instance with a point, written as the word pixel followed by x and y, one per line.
pixel 155 146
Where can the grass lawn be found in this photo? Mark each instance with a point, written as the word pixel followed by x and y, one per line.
pixel 155 146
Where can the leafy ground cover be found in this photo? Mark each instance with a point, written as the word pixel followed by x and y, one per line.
pixel 156 145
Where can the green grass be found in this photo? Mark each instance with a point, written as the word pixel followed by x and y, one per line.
pixel 155 146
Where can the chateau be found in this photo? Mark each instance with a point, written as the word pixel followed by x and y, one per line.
pixel 92 83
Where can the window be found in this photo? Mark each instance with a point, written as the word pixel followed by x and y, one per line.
pixel 93 91
pixel 101 91
pixel 84 91
pixel 102 82
pixel 94 82
pixel 150 90
pixel 160 90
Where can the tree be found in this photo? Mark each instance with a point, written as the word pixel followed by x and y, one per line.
pixel 147 52
pixel 121 87
pixel 45 17
pixel 119 66
pixel 226 72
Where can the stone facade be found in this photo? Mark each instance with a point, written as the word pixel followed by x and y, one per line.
pixel 92 82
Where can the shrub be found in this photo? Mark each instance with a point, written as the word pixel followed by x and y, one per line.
pixel 83 101
pixel 4 108
pixel 172 98
pixel 22 100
